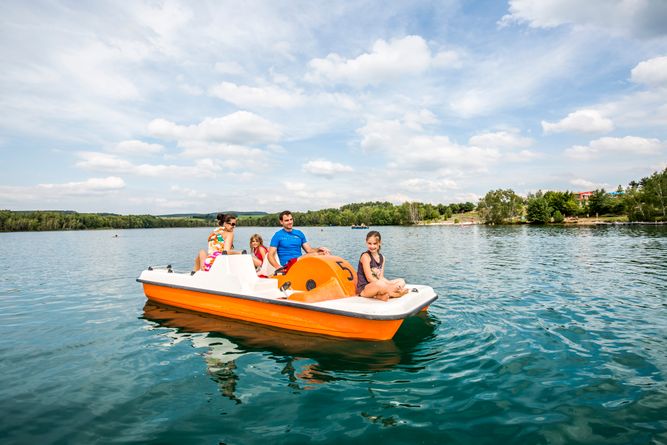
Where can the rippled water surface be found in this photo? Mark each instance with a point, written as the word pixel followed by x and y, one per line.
pixel 540 335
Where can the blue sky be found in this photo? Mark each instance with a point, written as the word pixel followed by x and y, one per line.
pixel 167 106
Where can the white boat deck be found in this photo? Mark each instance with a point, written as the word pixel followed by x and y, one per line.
pixel 234 275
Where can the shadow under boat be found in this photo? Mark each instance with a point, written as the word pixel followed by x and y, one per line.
pixel 330 353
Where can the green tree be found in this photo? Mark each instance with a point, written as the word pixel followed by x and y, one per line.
pixel 538 209
pixel 599 203
pixel 500 206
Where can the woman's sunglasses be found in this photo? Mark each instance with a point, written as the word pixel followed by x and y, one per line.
pixel 232 224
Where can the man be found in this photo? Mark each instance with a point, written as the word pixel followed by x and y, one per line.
pixel 288 242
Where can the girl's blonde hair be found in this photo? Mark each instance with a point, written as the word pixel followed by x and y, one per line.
pixel 257 237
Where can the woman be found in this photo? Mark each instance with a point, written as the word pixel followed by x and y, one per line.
pixel 219 241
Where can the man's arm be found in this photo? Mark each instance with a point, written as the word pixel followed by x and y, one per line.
pixel 319 251
pixel 272 257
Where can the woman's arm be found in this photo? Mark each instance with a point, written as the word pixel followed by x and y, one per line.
pixel 229 242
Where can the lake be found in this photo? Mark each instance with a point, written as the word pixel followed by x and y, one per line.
pixel 542 335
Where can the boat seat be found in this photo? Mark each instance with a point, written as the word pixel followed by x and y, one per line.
pixel 240 266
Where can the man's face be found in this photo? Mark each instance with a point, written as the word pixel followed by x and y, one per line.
pixel 287 222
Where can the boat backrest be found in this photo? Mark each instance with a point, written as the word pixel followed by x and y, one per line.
pixel 239 266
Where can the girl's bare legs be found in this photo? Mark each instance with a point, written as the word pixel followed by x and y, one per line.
pixel 376 289
pixel 398 281
pixel 397 291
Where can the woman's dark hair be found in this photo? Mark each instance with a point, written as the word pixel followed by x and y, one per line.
pixel 225 218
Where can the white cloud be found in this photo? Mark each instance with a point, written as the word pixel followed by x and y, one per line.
pixel 447 59
pixel 93 187
pixel 509 139
pixel 628 145
pixel 303 193
pixel 379 135
pixel 652 72
pixel 580 121
pixel 163 204
pixel 203 149
pixel 294 186
pixel 439 152
pixel 110 163
pixel 328 169
pixel 640 18
pixel 387 62
pixel 267 96
pixel 409 149
pixel 187 192
pixel 229 67
pixel 236 128
pixel 416 121
pixel 523 156
pixel 586 184
pixel 428 185
pixel 137 147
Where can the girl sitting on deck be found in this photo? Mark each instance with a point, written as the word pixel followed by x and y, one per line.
pixel 371 282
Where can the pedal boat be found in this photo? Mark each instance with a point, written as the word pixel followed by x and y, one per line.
pixel 316 295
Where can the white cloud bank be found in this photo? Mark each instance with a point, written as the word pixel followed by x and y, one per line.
pixel 93 187
pixel 642 18
pixel 580 121
pixel 266 96
pixel 111 163
pixel 628 145
pixel 328 169
pixel 241 127
pixel 386 62
pixel 652 72
pixel 137 147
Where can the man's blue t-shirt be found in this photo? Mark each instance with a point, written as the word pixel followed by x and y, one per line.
pixel 288 244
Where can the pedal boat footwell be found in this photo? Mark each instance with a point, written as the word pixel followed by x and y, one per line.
pixel 232 289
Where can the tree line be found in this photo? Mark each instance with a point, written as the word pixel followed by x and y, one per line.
pixel 11 221
pixel 368 213
pixel 644 200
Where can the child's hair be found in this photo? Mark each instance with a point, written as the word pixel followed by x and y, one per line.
pixel 376 234
pixel 257 237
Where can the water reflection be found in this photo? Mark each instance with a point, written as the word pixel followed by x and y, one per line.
pixel 304 358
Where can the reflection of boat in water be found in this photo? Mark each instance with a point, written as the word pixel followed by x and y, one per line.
pixel 359 226
pixel 237 337
pixel 320 297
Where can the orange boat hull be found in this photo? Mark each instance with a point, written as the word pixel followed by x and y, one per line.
pixel 282 316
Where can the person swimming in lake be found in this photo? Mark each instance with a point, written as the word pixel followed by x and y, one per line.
pixel 371 282
pixel 219 241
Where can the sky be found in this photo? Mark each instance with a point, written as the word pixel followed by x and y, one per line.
pixel 175 107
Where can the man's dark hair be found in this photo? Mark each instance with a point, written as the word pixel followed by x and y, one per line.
pixel 283 213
